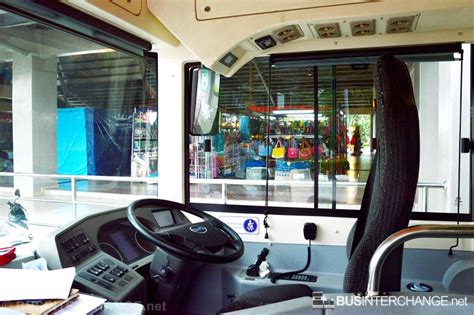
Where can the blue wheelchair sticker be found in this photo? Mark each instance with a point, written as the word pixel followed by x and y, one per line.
pixel 250 225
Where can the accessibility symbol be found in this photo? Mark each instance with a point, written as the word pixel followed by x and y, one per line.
pixel 250 225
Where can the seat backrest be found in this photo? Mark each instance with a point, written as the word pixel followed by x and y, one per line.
pixel 390 190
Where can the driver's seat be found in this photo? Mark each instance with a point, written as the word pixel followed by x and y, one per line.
pixel 389 193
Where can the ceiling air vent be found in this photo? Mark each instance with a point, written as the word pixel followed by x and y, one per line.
pixel 288 33
pixel 265 42
pixel 228 60
pixel 400 24
pixel 328 30
pixel 362 28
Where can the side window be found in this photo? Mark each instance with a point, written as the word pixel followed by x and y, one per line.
pixel 71 110
pixel 299 137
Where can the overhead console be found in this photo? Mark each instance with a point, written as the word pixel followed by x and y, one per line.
pixel 106 251
pixel 226 34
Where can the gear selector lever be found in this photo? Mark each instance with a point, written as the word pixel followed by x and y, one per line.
pixel 253 270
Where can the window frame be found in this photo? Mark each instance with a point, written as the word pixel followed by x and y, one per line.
pixel 304 58
pixel 63 17
pixel 471 204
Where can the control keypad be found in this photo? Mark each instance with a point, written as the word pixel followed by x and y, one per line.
pixel 108 271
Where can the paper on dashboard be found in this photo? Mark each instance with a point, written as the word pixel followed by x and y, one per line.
pixel 24 284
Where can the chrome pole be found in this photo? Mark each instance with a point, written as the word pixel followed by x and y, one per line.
pixel 400 237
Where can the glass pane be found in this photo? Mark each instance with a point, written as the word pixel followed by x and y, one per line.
pixel 72 109
pixel 355 130
pixel 262 137
pixel 291 134
pixel 220 164
pixel 437 93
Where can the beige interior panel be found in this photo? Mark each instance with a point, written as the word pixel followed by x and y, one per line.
pixel 446 19
pixel 435 21
pixel 132 16
pixel 215 9
pixel 132 6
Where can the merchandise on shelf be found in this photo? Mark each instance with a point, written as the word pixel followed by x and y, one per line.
pixel 251 146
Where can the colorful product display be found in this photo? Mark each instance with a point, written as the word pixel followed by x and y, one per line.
pixel 243 148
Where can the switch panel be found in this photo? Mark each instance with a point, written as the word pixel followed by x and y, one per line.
pixel 107 277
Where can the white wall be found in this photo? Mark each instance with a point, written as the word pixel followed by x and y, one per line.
pixel 437 93
pixel 466 123
pixel 171 121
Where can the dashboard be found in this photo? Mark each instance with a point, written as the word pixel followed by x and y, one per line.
pixel 121 241
pixel 107 251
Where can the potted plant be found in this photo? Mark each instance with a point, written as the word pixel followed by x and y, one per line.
pixel 332 167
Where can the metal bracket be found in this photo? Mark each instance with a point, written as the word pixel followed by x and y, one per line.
pixel 320 302
pixel 467 145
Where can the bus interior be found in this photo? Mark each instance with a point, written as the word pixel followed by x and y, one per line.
pixel 240 157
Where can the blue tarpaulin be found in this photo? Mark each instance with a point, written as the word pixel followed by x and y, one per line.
pixel 113 143
pixel 75 141
pixel 94 142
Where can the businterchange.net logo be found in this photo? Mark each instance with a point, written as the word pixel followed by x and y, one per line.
pixel 320 302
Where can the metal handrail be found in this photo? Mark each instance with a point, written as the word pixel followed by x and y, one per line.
pixel 84 177
pixel 400 237
pixel 224 182
pixel 262 182
pixel 74 179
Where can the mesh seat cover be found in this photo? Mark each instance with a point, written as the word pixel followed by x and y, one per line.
pixel 390 192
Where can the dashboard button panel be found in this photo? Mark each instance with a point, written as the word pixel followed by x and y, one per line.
pixel 78 246
pixel 109 278
pixel 108 274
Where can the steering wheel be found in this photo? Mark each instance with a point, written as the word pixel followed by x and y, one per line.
pixel 210 241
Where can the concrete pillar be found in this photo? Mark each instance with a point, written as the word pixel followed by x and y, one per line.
pixel 34 107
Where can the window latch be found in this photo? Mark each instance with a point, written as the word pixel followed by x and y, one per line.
pixel 466 145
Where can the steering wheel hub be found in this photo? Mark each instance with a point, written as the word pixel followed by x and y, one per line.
pixel 198 229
